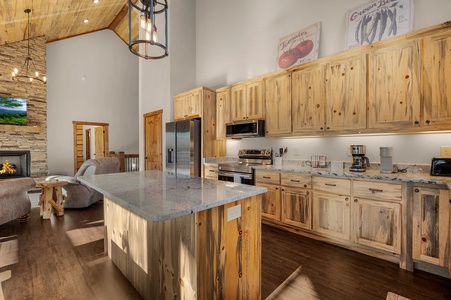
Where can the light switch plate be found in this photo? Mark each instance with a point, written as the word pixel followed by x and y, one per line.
pixel 233 213
pixel 445 151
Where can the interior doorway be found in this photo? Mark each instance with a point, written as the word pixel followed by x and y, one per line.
pixel 83 141
pixel 153 141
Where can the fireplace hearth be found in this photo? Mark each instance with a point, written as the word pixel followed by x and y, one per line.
pixel 19 160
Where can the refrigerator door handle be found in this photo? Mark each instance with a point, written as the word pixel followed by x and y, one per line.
pixel 170 155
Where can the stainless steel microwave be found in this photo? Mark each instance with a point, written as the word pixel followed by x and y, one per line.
pixel 245 129
pixel 441 167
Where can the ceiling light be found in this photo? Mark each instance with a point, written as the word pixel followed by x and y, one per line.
pixel 85 21
pixel 95 1
pixel 28 71
pixel 149 47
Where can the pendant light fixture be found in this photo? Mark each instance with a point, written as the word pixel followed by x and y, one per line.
pixel 28 73
pixel 145 12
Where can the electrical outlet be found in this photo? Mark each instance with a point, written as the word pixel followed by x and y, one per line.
pixel 296 151
pixel 233 212
pixel 445 151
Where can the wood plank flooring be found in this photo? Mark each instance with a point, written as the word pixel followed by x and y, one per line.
pixel 63 258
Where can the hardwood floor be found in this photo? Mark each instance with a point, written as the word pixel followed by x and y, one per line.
pixel 63 258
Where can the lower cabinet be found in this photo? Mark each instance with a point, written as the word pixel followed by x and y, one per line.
pixel 431 226
pixel 377 224
pixel 296 207
pixel 271 202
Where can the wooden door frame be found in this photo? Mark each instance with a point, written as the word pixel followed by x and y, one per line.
pixel 156 112
pixel 75 124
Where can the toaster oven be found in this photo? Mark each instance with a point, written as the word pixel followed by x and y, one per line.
pixel 441 166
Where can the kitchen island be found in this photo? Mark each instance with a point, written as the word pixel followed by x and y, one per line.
pixel 182 237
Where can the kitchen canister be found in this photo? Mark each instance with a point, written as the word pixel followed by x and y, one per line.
pixel 386 154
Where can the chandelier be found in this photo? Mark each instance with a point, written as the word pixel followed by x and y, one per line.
pixel 28 71
pixel 149 46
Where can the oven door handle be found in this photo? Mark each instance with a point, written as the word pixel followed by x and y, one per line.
pixel 246 176
pixel 226 174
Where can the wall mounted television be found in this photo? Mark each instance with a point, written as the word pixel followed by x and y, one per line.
pixel 13 111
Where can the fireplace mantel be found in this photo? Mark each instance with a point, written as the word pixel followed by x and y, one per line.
pixel 35 129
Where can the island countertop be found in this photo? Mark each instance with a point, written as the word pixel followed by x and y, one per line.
pixel 158 196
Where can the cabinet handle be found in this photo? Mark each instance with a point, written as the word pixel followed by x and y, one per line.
pixel 292 180
pixel 267 177
pixel 330 184
pixel 374 191
pixel 321 128
pixel 427 122
pixel 211 170
pixel 346 199
pixel 417 190
pixel 277 188
pixel 283 190
pixel 327 128
pixel 306 187
pixel 356 200
pixel 416 122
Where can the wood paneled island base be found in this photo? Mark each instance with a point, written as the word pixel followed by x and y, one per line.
pixel 210 254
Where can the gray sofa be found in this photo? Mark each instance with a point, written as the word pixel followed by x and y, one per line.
pixel 14 200
pixel 76 194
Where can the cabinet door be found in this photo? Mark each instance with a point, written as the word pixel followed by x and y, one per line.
pixel 194 105
pixel 394 87
pixel 255 100
pixel 332 215
pixel 346 94
pixel 308 100
pixel 296 207
pixel 271 202
pixel 377 224
pixel 222 113
pixel 179 108
pixel 436 76
pixel 238 101
pixel 278 104
pixel 431 226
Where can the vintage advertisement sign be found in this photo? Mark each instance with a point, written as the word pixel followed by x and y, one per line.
pixel 299 47
pixel 377 20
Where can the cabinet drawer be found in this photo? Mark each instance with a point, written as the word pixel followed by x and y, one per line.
pixel 271 177
pixel 296 180
pixel 332 185
pixel 377 190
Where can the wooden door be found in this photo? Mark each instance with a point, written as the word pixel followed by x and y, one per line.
pixel 308 100
pixel 394 87
pixel 332 215
pixel 346 94
pixel 377 224
pixel 222 113
pixel 88 144
pixel 255 100
pixel 238 101
pixel 431 232
pixel 436 76
pixel 153 131
pixel 278 104
pixel 271 202
pixel 99 142
pixel 296 207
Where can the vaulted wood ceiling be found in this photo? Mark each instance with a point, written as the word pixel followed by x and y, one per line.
pixel 60 19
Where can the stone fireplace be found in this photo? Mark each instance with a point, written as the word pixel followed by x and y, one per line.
pixel 19 161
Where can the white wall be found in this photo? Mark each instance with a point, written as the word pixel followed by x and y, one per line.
pixel 92 78
pixel 237 40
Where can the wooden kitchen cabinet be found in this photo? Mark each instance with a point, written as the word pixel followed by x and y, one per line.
pixel 394 86
pixel 247 99
pixel 436 75
pixel 431 226
pixel 271 206
pixel 308 100
pixel 222 112
pixel 346 93
pixel 278 104
pixel 188 105
pixel 297 207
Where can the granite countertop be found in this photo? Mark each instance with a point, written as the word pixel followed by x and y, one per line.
pixel 158 196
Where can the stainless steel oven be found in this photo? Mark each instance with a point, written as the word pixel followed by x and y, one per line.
pixel 242 171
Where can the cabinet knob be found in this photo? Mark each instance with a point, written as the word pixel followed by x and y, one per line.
pixel 356 200
pixel 417 190
pixel 427 122
pixel 346 199
pixel 416 122
pixel 321 128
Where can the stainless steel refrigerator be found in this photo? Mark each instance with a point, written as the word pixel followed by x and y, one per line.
pixel 183 147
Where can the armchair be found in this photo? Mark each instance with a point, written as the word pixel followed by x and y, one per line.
pixel 14 200
pixel 76 194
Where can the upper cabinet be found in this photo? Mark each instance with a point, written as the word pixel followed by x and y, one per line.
pixel 247 100
pixel 436 77
pixel 278 104
pixel 394 86
pixel 188 105
pixel 346 93
pixel 308 100
pixel 222 111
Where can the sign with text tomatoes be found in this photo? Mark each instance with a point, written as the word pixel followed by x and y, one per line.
pixel 299 47
pixel 377 20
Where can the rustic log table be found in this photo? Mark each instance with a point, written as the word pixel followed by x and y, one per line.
pixel 51 199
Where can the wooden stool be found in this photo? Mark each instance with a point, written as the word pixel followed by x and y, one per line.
pixel 4 276
pixel 51 199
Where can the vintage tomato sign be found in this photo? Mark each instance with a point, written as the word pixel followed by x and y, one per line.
pixel 299 47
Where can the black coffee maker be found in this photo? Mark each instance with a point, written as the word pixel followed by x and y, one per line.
pixel 359 160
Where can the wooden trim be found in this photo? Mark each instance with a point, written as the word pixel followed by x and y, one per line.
pixel 153 113
pixel 122 14
pixel 89 123
pixel 17 128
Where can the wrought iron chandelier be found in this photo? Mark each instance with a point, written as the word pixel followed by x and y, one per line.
pixel 29 72
pixel 146 11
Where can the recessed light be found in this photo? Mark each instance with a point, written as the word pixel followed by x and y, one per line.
pixel 95 1
pixel 85 21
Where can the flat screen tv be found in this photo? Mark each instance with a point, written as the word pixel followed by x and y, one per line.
pixel 13 111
